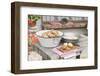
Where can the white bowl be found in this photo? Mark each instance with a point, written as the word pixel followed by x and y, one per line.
pixel 71 37
pixel 48 42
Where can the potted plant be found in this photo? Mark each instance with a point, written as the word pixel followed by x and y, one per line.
pixel 32 19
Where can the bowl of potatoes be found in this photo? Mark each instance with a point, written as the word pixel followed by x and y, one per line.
pixel 49 38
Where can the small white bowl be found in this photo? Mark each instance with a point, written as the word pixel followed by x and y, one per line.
pixel 71 37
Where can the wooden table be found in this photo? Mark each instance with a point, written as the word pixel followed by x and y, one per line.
pixel 48 54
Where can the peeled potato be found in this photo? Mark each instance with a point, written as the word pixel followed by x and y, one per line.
pixel 44 35
pixel 66 47
pixel 65 44
pixel 50 34
pixel 55 33
pixel 70 45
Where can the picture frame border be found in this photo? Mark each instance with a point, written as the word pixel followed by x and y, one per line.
pixel 15 37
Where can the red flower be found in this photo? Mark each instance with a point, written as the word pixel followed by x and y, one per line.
pixel 31 23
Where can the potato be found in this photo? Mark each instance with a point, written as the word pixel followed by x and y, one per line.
pixel 70 45
pixel 51 34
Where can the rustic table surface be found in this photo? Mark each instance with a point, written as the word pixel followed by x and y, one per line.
pixel 47 53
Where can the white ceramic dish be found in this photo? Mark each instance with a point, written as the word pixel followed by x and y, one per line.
pixel 71 37
pixel 49 42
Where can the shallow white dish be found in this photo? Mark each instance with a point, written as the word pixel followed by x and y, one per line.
pixel 70 37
